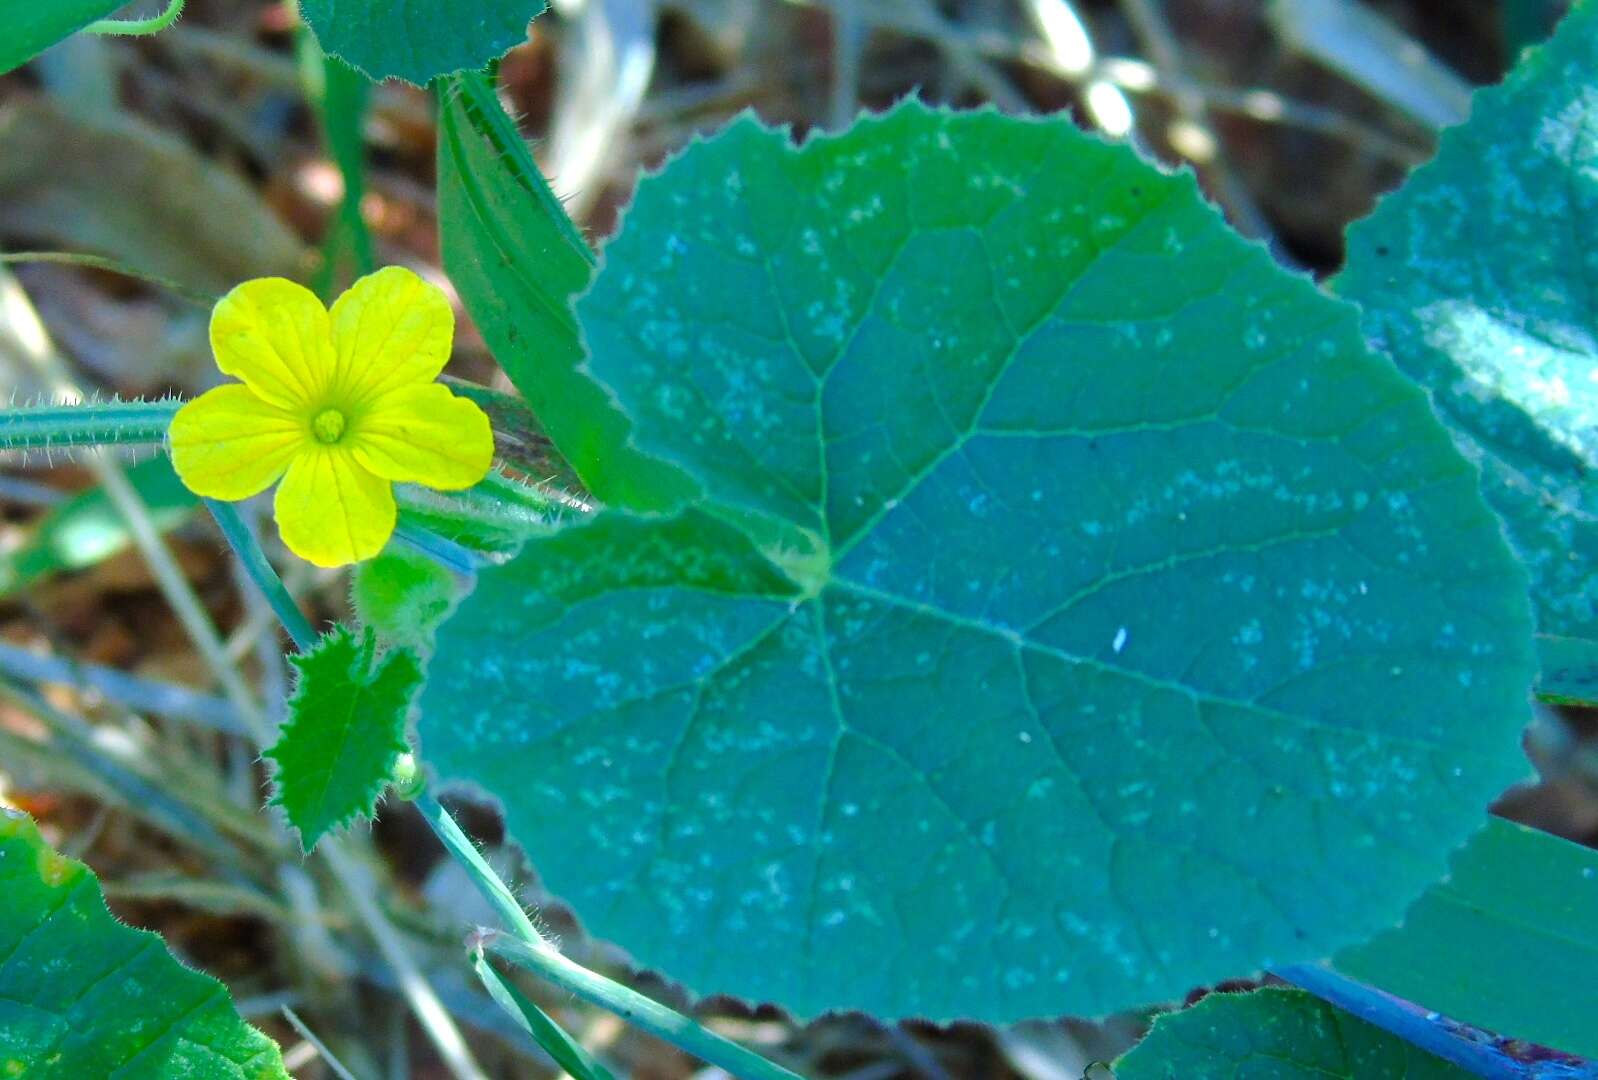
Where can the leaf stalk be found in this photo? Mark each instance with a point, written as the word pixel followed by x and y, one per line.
pixel 89 423
pixel 1428 1032
pixel 138 27
pixel 242 540
pixel 528 948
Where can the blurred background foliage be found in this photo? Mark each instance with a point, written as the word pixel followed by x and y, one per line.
pixel 228 148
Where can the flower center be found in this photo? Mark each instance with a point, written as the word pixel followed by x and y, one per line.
pixel 328 426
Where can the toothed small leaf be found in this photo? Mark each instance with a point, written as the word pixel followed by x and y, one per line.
pixel 346 727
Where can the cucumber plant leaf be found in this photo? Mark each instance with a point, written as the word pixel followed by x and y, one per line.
pixel 1527 904
pixel 1076 613
pixel 518 261
pixel 1477 277
pixel 419 40
pixel 32 28
pixel 1274 1034
pixel 86 995
pixel 345 728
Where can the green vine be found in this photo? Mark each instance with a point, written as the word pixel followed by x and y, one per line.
pixel 138 27
pixel 87 424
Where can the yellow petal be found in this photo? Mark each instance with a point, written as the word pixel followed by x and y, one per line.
pixel 331 511
pixel 425 435
pixel 391 329
pixel 229 444
pixel 276 336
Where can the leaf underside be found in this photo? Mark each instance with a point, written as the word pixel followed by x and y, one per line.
pixel 345 728
pixel 1480 278
pixel 82 995
pixel 1517 916
pixel 1274 1034
pixel 1075 613
pixel 419 40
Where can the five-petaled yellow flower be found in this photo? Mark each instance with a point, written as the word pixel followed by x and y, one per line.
pixel 338 404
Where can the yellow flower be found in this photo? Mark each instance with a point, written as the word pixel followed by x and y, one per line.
pixel 338 405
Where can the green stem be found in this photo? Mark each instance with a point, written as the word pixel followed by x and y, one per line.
pixel 495 891
pixel 542 959
pixel 530 949
pixel 110 423
pixel 568 1053
pixel 333 1063
pixel 241 538
pixel 138 27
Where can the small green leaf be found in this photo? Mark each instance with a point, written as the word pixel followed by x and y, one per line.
pixel 403 596
pixel 421 39
pixel 518 261
pixel 1508 942
pixel 88 529
pixel 1274 1034
pixel 86 996
pixel 1075 606
pixel 1477 277
pixel 31 27
pixel 346 728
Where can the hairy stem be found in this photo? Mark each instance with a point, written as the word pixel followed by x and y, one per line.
pixel 544 960
pixel 138 27
pixel 526 947
pixel 242 540
pixel 103 423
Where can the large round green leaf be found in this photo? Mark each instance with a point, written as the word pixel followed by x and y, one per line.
pixel 1078 612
